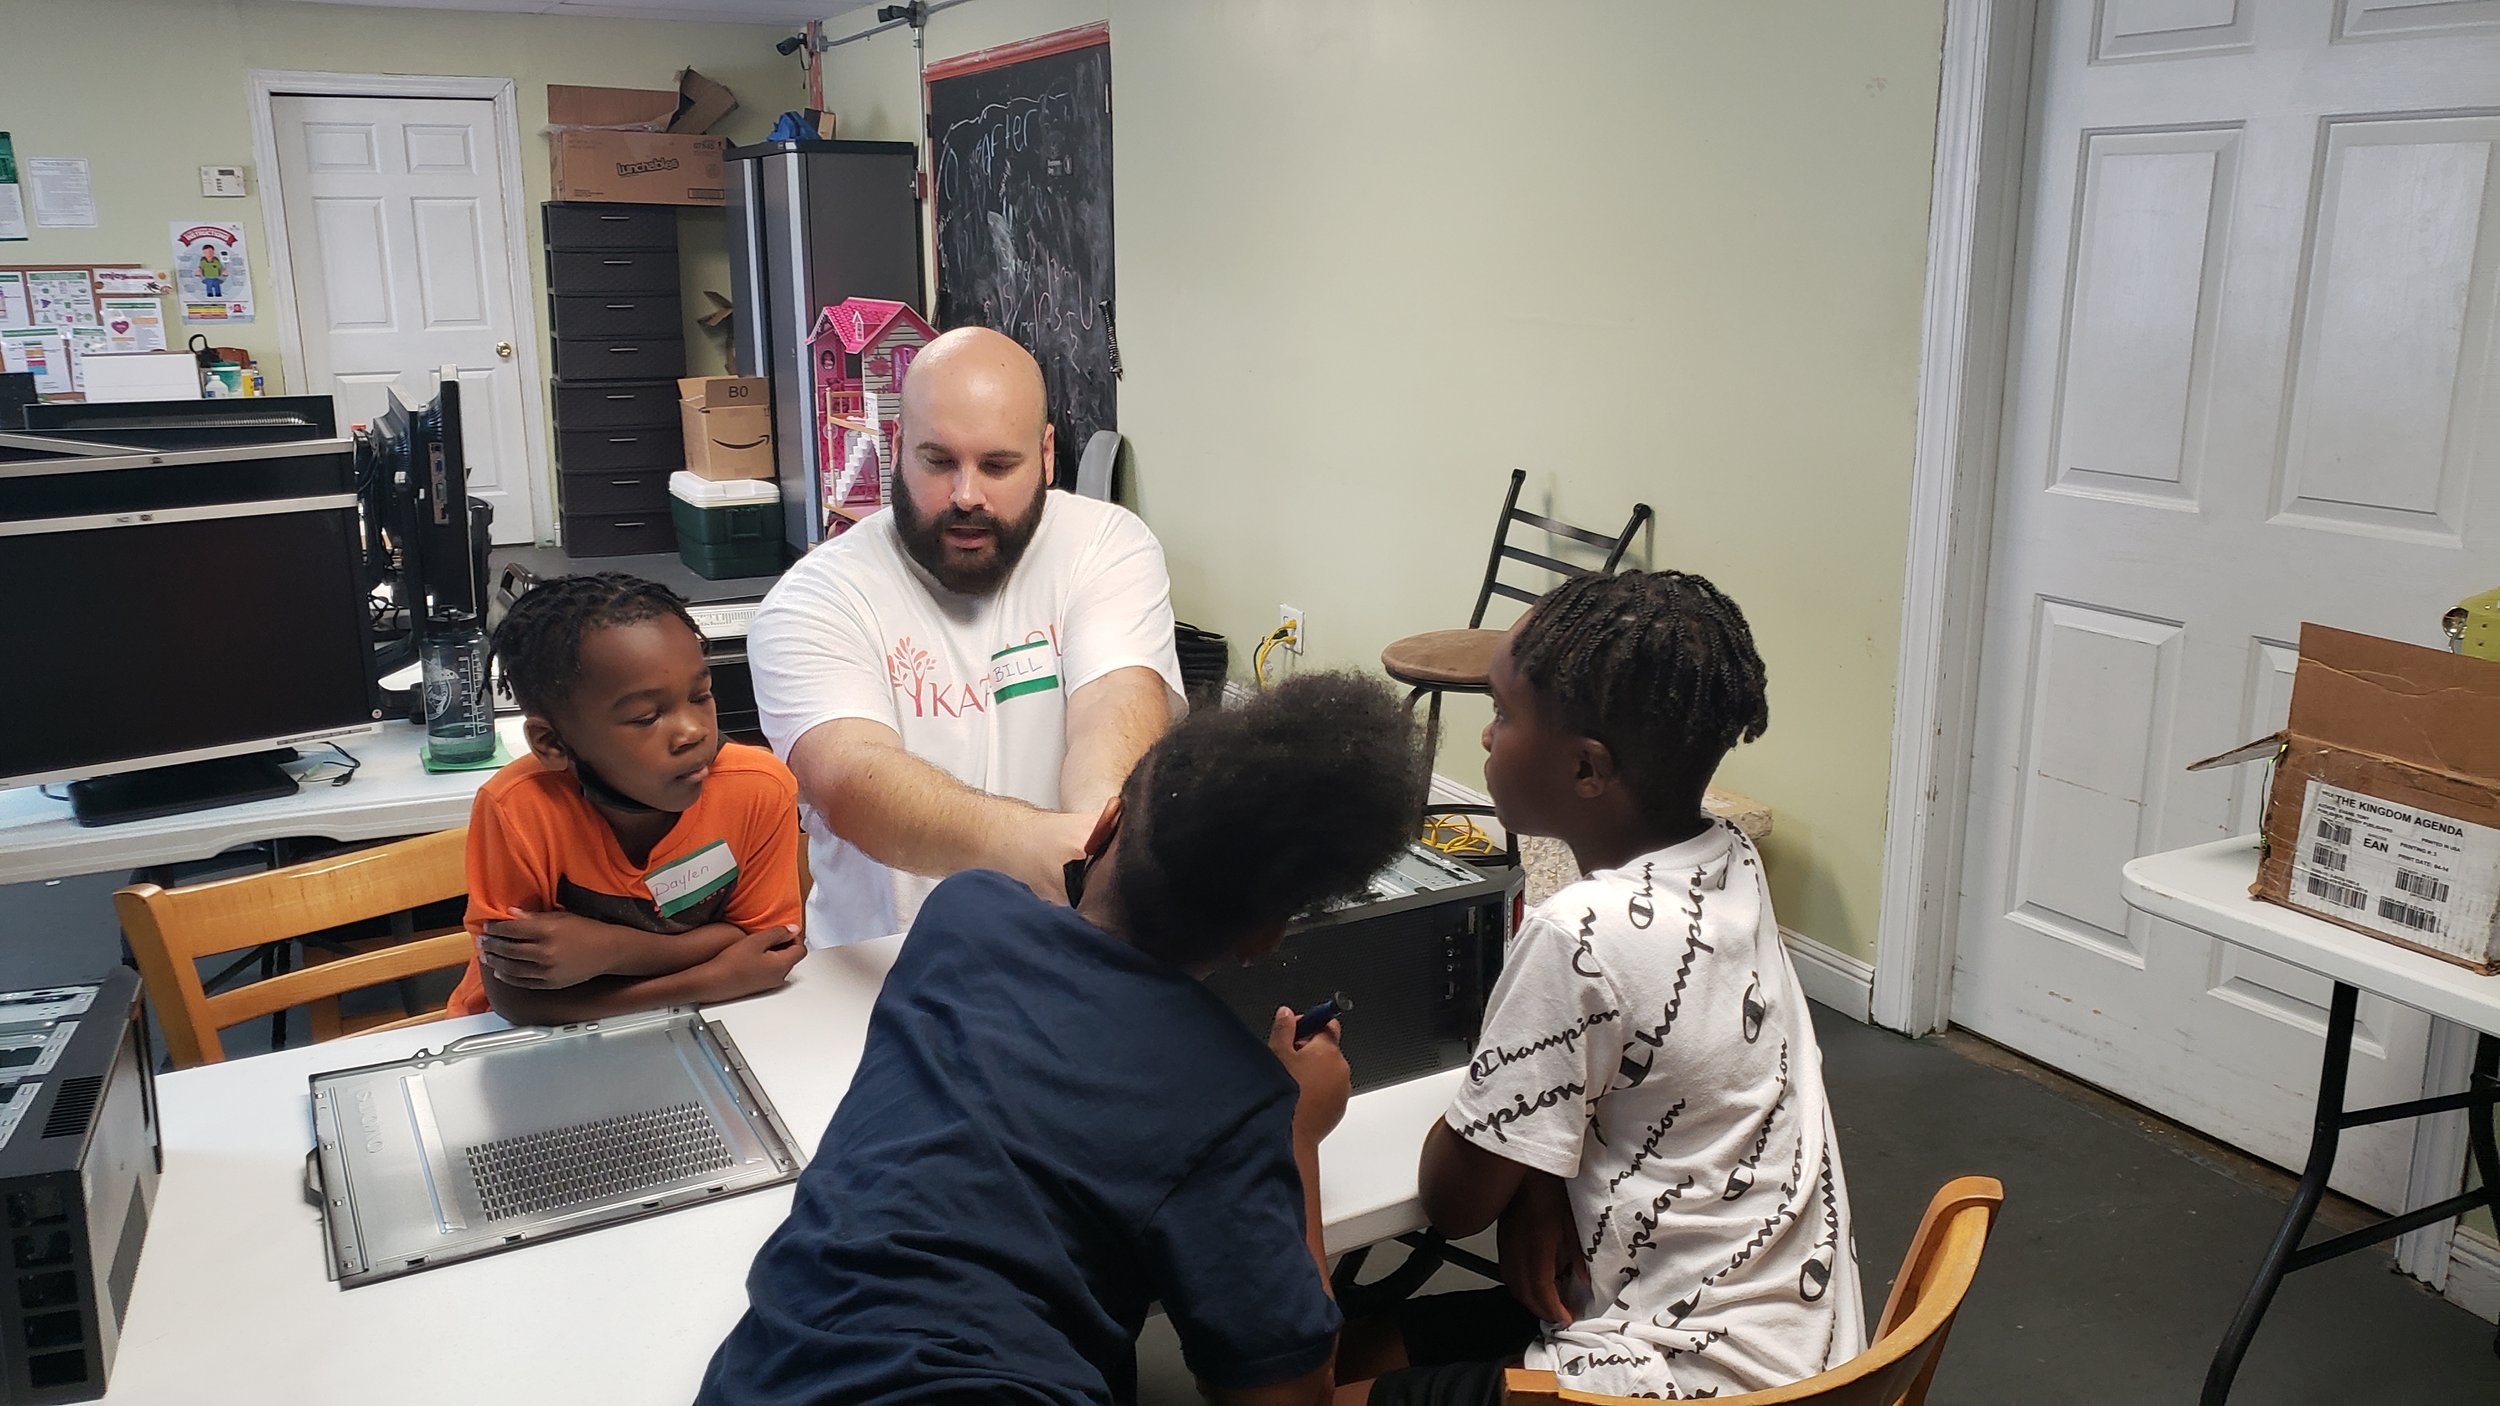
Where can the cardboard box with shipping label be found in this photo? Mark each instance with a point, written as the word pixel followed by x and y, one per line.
pixel 728 422
pixel 2384 811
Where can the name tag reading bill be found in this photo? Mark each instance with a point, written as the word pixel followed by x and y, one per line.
pixel 680 884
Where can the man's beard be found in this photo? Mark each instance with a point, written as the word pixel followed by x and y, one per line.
pixel 925 540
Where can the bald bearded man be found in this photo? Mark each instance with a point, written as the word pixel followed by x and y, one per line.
pixel 963 681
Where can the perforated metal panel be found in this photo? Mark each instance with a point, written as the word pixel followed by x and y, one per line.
pixel 565 1167
pixel 505 1139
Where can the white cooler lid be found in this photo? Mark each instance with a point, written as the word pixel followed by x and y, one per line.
pixel 722 493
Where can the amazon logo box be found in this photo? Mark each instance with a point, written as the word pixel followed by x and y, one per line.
pixel 728 422
pixel 2384 812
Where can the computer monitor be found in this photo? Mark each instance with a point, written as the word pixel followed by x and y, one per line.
pixel 425 538
pixel 175 617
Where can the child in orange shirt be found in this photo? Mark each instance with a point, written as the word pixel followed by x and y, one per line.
pixel 633 859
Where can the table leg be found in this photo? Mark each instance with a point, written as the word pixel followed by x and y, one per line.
pixel 2478 1125
pixel 2326 1130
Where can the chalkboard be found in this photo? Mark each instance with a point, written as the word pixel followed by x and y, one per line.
pixel 1020 162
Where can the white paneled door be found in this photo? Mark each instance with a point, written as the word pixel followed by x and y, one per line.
pixel 2254 382
pixel 396 225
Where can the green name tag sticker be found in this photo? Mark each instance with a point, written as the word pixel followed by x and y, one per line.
pixel 1031 667
pixel 682 883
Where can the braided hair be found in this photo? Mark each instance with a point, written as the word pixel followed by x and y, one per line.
pixel 1658 665
pixel 539 643
pixel 1241 818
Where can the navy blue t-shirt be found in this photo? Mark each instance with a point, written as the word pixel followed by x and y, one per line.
pixel 1049 1131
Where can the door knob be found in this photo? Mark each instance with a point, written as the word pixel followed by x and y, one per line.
pixel 504 350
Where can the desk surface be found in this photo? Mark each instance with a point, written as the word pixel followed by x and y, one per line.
pixel 393 795
pixel 2206 888
pixel 232 1303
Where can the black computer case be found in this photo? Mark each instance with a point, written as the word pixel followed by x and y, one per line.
pixel 80 1152
pixel 1413 959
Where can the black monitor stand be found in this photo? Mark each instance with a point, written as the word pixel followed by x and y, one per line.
pixel 182 788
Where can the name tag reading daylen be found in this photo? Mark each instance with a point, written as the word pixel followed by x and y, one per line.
pixel 682 883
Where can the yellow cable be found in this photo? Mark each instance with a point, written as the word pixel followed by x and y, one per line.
pixel 1457 835
pixel 1258 660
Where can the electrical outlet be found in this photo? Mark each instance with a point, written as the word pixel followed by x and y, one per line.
pixel 1291 615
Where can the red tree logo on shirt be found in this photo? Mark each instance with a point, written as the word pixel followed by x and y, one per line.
pixel 907 665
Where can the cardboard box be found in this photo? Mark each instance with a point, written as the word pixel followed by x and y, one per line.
pixel 639 168
pixel 701 104
pixel 639 146
pixel 728 422
pixel 2384 811
pixel 571 108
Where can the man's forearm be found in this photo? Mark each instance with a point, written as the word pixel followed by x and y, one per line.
pixel 910 815
pixel 1111 722
pixel 903 812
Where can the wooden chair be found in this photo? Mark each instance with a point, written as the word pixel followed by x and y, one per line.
pixel 1896 1368
pixel 170 930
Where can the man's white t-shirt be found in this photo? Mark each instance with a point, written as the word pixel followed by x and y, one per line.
pixel 1648 1043
pixel 976 686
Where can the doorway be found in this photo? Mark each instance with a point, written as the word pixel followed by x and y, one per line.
pixel 395 218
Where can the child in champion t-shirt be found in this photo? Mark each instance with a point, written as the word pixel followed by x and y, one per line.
pixel 1645 1112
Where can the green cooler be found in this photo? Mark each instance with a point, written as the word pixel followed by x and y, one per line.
pixel 727 527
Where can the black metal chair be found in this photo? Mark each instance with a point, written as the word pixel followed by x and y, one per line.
pixel 1439 662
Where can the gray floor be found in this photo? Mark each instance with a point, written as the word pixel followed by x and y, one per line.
pixel 2122 1251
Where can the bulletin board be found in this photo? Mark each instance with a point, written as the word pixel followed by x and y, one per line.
pixel 96 309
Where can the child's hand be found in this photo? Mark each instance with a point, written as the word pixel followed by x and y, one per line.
pixel 546 951
pixel 759 961
pixel 1319 1066
pixel 1540 1248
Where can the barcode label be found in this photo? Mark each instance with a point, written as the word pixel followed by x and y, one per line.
pixel 2422 885
pixel 2408 915
pixel 2337 892
pixel 2398 870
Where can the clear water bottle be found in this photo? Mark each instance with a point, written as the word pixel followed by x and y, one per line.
pixel 459 716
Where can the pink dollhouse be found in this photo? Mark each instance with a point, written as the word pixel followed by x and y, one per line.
pixel 863 347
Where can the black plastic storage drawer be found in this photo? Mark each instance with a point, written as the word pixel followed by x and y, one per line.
pixel 618 534
pixel 649 447
pixel 589 226
pixel 616 315
pixel 617 491
pixel 619 358
pixel 612 271
pixel 606 405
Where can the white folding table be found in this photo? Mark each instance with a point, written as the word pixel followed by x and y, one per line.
pixel 2206 888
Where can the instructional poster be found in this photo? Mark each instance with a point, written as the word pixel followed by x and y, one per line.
pixel 133 325
pixel 212 272
pixel 43 351
pixel 14 309
pixel 62 297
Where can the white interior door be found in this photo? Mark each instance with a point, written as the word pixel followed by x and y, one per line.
pixel 396 226
pixel 2252 385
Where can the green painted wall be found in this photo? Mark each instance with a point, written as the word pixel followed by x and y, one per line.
pixel 1371 257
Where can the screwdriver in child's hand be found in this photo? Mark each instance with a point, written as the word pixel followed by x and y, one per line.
pixel 1317 1017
